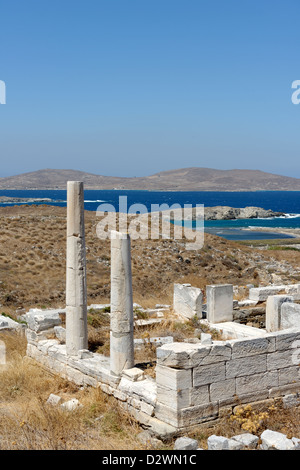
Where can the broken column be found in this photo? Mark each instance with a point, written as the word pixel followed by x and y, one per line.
pixel 121 324
pixel 76 291
pixel 219 299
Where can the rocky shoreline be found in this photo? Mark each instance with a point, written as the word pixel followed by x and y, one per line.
pixel 16 200
pixel 230 213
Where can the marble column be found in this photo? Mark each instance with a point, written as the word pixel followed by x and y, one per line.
pixel 76 291
pixel 121 326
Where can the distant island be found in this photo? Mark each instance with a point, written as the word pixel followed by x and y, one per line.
pixel 231 213
pixel 16 200
pixel 186 179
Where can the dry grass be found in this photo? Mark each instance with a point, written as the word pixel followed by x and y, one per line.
pixel 28 422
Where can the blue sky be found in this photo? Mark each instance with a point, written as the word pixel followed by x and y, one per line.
pixel 134 87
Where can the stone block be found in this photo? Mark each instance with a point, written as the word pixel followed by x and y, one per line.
pixel 273 440
pixel 223 390
pixel 248 440
pixel 251 347
pixel 219 303
pixel 185 443
pixel 207 374
pixel 290 316
pixel 245 366
pixel 42 320
pixel 260 294
pixel 174 379
pixel 187 300
pixel 256 382
pixel 281 359
pixel 273 311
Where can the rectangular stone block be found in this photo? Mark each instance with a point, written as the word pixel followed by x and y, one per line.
pixel 174 379
pixel 198 414
pixel 290 316
pixel 273 311
pixel 207 374
pixel 260 294
pixel 246 366
pixel 187 300
pixel 289 375
pixel 224 390
pixel 219 303
pixel 287 339
pixel 251 347
pixel 175 399
pixel 281 359
pixel 256 382
pixel 181 355
pixel 199 395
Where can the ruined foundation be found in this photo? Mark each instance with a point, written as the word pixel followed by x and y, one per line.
pixel 195 383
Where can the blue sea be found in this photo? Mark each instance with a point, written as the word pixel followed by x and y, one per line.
pixel 282 201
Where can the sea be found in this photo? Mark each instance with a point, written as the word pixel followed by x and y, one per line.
pixel 287 202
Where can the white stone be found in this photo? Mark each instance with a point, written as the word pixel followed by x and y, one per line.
pixel 71 405
pixel 53 399
pixel 219 303
pixel 248 441
pixel 76 290
pixel 217 443
pixel 273 311
pixel 276 440
pixel 185 443
pixel 290 316
pixel 42 320
pixel 175 379
pixel 187 300
pixel 206 338
pixel 133 374
pixel 121 315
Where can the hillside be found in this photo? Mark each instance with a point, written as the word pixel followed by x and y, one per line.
pixel 186 179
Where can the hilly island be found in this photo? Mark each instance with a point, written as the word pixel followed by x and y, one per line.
pixel 185 179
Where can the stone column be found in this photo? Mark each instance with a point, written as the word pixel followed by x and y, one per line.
pixel 121 310
pixel 76 292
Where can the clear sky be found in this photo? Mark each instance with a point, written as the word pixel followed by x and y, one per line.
pixel 134 87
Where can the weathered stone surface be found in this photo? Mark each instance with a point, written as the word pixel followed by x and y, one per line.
pixel 248 440
pixel 219 303
pixel 185 443
pixel 276 440
pixel 290 316
pixel 222 443
pixel 187 300
pixel 256 382
pixel 273 311
pixel 207 374
pixel 42 320
pixel 121 324
pixel 260 294
pixel 251 347
pixel 246 366
pixel 223 390
pixel 174 379
pixel 76 290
